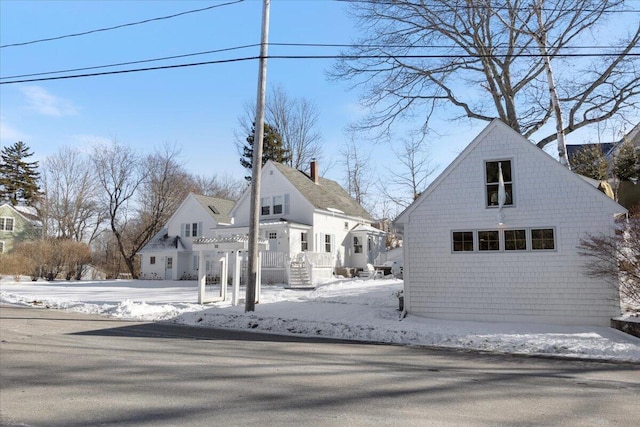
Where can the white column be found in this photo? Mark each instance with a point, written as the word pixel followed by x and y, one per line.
pixel 224 261
pixel 259 277
pixel 202 277
pixel 236 279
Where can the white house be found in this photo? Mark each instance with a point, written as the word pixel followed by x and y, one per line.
pixel 314 230
pixel 486 247
pixel 313 227
pixel 169 254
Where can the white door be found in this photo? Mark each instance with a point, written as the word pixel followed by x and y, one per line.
pixel 168 268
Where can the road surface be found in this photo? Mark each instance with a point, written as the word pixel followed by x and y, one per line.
pixel 67 369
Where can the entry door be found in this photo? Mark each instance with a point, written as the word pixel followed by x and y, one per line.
pixel 168 268
pixel 273 240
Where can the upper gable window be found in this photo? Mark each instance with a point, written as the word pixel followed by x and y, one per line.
pixel 492 182
pixel 6 224
pixel 274 205
pixel 265 203
pixel 277 205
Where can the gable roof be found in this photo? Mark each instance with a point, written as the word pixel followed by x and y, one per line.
pixel 327 195
pixel 27 212
pixel 545 159
pixel 218 208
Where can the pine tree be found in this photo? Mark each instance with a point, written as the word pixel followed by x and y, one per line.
pixel 272 149
pixel 18 177
pixel 627 163
pixel 590 162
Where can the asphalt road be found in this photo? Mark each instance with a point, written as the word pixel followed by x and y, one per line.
pixel 67 369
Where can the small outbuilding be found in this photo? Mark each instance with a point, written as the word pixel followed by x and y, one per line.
pixel 494 238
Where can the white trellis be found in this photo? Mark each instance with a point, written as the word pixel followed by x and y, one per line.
pixel 224 245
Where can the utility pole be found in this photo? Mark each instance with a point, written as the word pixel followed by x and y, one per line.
pixel 254 214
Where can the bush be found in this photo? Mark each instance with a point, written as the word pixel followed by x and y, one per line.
pixel 616 259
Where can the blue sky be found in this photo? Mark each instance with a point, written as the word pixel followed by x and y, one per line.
pixel 195 108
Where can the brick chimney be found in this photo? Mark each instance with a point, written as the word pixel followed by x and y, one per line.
pixel 314 171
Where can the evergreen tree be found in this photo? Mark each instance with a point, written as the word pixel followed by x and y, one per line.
pixel 272 149
pixel 18 177
pixel 627 163
pixel 590 162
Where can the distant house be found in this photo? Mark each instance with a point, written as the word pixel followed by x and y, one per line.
pixel 169 254
pixel 494 238
pixel 17 224
pixel 628 193
pixel 312 227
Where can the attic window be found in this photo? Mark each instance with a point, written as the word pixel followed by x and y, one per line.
pixel 492 182
pixel 214 210
pixel 6 224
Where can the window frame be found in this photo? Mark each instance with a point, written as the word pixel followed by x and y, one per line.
pixel 463 242
pixel 508 184
pixel 553 239
pixel 328 243
pixel 304 241
pixel 357 245
pixel 516 240
pixel 3 224
pixel 490 243
pixel 276 205
pixel 152 260
pixel 265 209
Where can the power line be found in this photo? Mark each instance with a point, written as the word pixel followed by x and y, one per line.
pixel 223 61
pixel 131 62
pixel 373 46
pixel 122 25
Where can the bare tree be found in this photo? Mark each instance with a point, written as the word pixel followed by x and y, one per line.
pixel 403 185
pixel 70 208
pixel 357 172
pixel 119 176
pixel 224 187
pixel 294 119
pixel 490 64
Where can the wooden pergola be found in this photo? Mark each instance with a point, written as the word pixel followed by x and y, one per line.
pixel 227 245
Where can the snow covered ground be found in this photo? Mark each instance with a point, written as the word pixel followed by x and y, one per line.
pixel 351 309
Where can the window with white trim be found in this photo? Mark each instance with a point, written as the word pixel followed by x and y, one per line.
pixel 152 260
pixel 278 205
pixel 187 230
pixel 6 224
pixel 265 206
pixel 274 205
pixel 304 241
pixel 328 243
pixel 357 245
pixel 492 182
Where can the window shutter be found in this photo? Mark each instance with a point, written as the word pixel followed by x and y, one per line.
pixel 200 233
pixel 181 230
pixel 286 204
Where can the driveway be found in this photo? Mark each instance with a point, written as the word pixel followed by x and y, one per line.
pixel 67 369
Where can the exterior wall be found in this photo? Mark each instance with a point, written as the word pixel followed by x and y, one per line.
pixel 23 229
pixel 530 286
pixel 152 271
pixel 339 227
pixel 274 184
pixel 191 211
